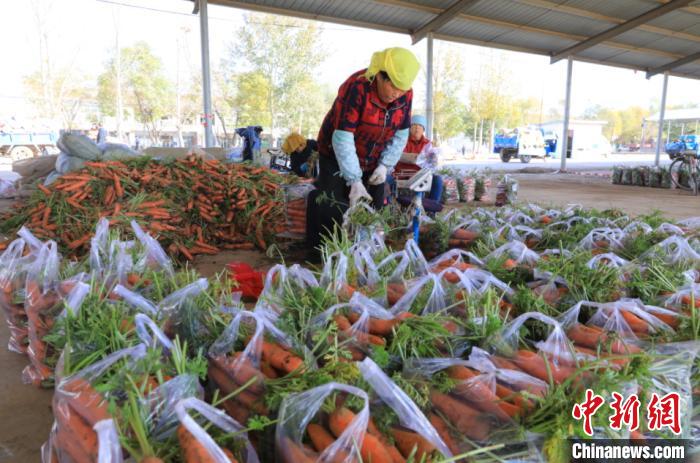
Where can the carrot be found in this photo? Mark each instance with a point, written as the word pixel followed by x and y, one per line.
pixel 237 411
pixel 293 453
pixel 688 300
pixel 118 189
pixel 637 325
pixel 84 399
pixel 281 359
pixel 592 336
pixel 268 371
pixel 406 441
pixel 193 451
pixel 535 365
pixel 443 431
pixel 77 430
pixel 371 450
pixel 376 326
pixel 479 394
pixel 44 190
pixel 394 292
pixel 320 438
pixel 240 370
pixel 546 220
pixel 66 444
pixel 151 459
pixel 394 453
pixel 79 242
pixel 463 417
pixel 509 264
pixel 464 235
pixel 227 385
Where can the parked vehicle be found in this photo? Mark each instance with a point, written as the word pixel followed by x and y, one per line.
pixel 523 143
pixel 24 145
pixel 686 144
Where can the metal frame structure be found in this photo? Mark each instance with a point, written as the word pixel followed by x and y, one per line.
pixel 654 36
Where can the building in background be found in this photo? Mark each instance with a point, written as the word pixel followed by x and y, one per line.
pixel 586 138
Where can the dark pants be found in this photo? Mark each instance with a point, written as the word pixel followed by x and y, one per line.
pixel 329 201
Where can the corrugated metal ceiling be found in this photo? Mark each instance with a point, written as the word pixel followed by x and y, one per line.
pixel 534 26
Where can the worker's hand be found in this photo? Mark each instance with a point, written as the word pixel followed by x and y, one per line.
pixel 378 176
pixel 358 192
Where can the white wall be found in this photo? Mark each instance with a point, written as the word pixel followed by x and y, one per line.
pixel 588 139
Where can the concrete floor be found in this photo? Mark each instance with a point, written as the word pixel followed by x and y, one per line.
pixel 25 414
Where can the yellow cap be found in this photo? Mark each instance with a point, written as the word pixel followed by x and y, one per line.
pixel 401 65
pixel 293 142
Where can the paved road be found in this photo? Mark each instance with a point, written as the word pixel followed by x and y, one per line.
pixel 599 163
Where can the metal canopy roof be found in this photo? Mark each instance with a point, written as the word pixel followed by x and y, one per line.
pixel 648 35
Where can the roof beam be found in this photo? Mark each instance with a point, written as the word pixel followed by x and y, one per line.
pixel 673 65
pixel 619 29
pixel 689 9
pixel 514 26
pixel 440 20
pixel 581 13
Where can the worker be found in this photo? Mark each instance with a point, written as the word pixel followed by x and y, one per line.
pixel 300 150
pixel 419 154
pixel 361 138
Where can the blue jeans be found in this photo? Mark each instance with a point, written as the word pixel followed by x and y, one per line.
pixel 435 189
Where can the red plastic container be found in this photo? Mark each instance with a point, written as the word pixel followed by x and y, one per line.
pixel 250 282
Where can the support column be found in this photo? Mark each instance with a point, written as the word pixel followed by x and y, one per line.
pixel 206 75
pixel 429 88
pixel 662 114
pixel 567 111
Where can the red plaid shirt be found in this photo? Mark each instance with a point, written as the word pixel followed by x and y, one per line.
pixel 358 109
pixel 416 146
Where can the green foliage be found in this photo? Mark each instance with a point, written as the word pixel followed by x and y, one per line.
pixel 273 61
pixel 144 85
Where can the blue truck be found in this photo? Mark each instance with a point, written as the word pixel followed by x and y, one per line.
pixel 24 145
pixel 686 144
pixel 524 143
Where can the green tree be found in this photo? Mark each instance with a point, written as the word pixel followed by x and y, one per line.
pixel 280 56
pixel 145 87
pixel 448 82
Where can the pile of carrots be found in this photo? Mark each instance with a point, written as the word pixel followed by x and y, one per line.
pixel 376 447
pixel 193 206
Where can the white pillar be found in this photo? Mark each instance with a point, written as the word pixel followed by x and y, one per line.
pixel 206 75
pixel 567 110
pixel 429 88
pixel 662 114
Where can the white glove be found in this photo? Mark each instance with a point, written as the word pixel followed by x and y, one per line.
pixel 357 192
pixel 378 176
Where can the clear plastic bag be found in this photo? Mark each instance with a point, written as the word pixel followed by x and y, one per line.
pixel 13 265
pixel 608 259
pixel 79 408
pixel 154 255
pixel 242 358
pixel 220 420
pixel 436 299
pixel 603 238
pixel 516 251
pixel 474 280
pixel 67 296
pixel 409 415
pixel 299 410
pixel 674 250
pixel 42 304
pixel 474 407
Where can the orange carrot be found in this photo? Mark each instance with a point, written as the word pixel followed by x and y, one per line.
pixel 372 450
pixel 535 365
pixel 376 326
pixel 464 418
pixel 443 431
pixel 193 451
pixel 407 441
pixel 293 453
pixel 84 399
pixel 281 359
